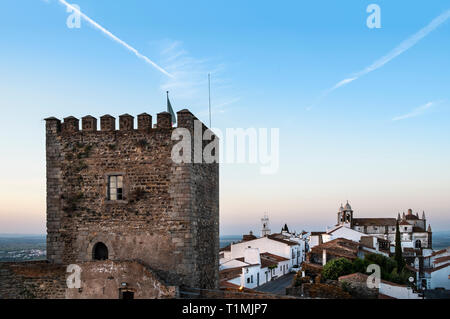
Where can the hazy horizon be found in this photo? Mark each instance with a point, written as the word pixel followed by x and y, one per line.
pixel 363 114
pixel 221 235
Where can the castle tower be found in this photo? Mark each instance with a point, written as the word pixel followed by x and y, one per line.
pixel 265 231
pixel 118 195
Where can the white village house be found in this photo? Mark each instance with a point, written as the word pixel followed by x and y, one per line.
pixel 255 261
pixel 254 269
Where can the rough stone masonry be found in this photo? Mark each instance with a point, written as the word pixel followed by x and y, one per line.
pixel 117 195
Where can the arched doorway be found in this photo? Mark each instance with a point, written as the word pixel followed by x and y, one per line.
pixel 418 244
pixel 100 251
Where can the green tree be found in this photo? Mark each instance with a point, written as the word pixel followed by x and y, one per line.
pixel 398 250
pixel 386 264
pixel 359 265
pixel 337 268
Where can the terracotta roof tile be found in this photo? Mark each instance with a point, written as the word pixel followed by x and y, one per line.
pixel 340 247
pixel 317 233
pixel 230 273
pixel 374 221
pixel 442 251
pixel 268 260
pixel 284 241
pixel 273 256
pixel 441 259
pixel 436 268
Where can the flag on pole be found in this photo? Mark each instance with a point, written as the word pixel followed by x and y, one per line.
pixel 170 110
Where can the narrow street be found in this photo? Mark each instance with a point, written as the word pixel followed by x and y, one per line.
pixel 277 286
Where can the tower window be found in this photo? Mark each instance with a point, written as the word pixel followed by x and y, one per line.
pixel 115 187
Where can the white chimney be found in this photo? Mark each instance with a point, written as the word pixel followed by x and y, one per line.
pixel 251 256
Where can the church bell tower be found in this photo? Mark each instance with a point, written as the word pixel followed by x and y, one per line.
pixel 265 231
pixel 345 215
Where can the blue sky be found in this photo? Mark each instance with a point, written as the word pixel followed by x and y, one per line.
pixel 381 141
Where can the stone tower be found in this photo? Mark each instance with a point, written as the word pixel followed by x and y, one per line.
pixel 265 231
pixel 117 194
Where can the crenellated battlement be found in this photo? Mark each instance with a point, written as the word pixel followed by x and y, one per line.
pixel 126 122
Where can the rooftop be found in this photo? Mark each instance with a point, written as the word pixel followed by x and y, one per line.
pixel 230 273
pixel 374 221
pixel 279 238
pixel 340 247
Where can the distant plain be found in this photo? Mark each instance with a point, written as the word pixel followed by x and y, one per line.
pixel 18 247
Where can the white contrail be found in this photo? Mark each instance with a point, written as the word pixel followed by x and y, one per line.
pixel 402 47
pixel 416 112
pixel 112 36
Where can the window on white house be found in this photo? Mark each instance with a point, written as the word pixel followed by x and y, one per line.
pixel 115 187
pixel 248 280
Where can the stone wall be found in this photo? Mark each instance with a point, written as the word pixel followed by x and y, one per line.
pixel 318 290
pixel 203 190
pixel 106 280
pixel 32 280
pixel 191 293
pixel 169 216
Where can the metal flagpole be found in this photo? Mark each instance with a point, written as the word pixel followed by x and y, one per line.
pixel 209 93
pixel 167 92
